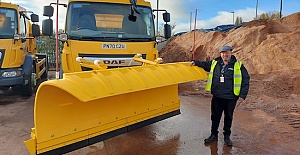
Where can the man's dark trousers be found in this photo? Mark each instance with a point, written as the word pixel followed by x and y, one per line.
pixel 218 105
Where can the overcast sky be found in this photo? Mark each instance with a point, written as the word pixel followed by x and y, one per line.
pixel 210 13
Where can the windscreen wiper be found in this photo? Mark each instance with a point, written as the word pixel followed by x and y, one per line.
pixel 6 37
pixel 89 38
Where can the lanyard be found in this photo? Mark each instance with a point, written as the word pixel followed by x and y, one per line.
pixel 223 69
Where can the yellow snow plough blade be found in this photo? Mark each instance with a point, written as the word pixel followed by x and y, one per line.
pixel 88 107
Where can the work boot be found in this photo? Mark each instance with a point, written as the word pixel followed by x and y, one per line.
pixel 211 138
pixel 227 140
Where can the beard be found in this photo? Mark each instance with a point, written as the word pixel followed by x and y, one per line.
pixel 226 58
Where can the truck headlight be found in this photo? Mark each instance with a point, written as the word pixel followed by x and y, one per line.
pixel 11 73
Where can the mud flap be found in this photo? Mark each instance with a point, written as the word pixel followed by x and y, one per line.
pixel 88 107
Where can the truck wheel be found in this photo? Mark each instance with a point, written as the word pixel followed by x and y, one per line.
pixel 29 88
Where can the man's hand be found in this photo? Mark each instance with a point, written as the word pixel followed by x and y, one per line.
pixel 192 63
pixel 239 102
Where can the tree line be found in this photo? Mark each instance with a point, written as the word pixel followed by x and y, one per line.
pixel 264 16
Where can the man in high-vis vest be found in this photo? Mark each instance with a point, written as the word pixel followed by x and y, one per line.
pixel 228 82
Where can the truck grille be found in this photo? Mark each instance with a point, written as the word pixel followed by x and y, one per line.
pixel 112 60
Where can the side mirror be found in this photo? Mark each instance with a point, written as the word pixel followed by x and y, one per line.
pixel 34 18
pixel 132 18
pixel 166 17
pixel 35 30
pixel 48 11
pixel 167 31
pixel 47 27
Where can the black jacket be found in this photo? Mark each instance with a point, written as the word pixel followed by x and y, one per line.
pixel 225 89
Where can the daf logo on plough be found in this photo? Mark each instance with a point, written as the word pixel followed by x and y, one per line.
pixel 113 46
pixel 114 61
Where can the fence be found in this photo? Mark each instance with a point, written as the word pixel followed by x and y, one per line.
pixel 51 58
pixel 47 46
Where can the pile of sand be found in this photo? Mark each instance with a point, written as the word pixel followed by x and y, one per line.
pixel 270 51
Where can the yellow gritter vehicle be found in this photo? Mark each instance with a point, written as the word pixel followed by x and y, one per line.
pixel 20 64
pixel 113 81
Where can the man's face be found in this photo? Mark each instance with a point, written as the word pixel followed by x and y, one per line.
pixel 226 55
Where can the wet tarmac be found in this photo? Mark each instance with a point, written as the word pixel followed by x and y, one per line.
pixel 184 135
pixel 181 134
pixel 254 132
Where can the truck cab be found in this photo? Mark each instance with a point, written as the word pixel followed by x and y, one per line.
pixel 109 31
pixel 18 55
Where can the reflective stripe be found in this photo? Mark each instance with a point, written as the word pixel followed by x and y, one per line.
pixel 237 76
pixel 237 85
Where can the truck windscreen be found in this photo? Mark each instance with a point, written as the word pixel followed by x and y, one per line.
pixel 8 23
pixel 108 20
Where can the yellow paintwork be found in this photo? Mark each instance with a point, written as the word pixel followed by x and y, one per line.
pixel 31 143
pixel 9 5
pixel 15 51
pixel 138 57
pixel 139 2
pixel 40 67
pixel 99 101
pixel 83 105
pixel 99 66
pixel 71 52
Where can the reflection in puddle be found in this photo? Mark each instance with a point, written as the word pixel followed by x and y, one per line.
pixel 214 149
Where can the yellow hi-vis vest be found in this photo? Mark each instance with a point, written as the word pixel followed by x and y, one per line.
pixel 237 77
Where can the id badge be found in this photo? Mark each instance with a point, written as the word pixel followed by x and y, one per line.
pixel 222 79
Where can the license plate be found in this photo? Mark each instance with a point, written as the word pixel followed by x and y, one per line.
pixel 113 46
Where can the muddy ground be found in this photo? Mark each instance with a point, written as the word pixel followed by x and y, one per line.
pixel 255 131
pixel 267 122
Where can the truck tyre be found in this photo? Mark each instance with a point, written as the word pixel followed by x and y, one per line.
pixel 28 89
